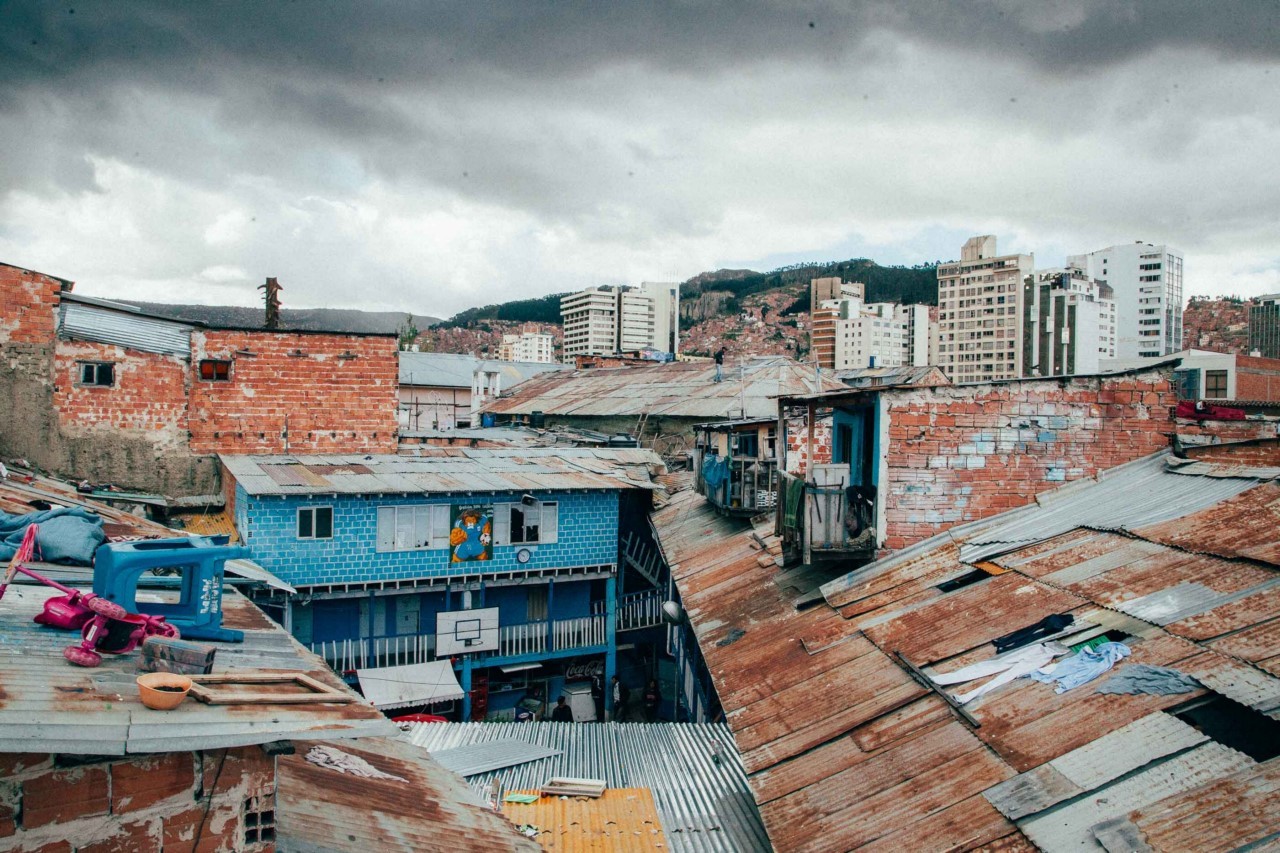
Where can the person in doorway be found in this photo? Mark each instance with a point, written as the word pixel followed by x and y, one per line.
pixel 719 356
pixel 621 695
pixel 597 696
pixel 652 699
pixel 562 712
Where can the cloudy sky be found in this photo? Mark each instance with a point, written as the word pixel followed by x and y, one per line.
pixel 433 157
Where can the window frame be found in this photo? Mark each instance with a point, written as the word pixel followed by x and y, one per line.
pixel 313 510
pixel 82 367
pixel 437 522
pixel 215 378
pixel 1215 375
pixel 504 518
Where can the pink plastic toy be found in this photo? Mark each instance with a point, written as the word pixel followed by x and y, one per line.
pixel 104 625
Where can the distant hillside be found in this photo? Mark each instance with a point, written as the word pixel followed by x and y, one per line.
pixel 729 287
pixel 310 319
pixel 1219 323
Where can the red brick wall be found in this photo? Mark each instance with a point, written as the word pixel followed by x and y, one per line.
pixel 957 454
pixel 330 403
pixel 144 803
pixel 1215 432
pixel 1263 453
pixel 28 305
pixel 1257 378
pixel 148 397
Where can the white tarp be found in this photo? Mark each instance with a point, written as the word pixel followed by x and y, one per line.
pixel 416 684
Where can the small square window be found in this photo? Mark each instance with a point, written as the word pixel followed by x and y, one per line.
pixel 215 370
pixel 315 522
pixel 99 373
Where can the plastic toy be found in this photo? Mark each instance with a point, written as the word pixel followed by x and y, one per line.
pixel 118 566
pixel 104 625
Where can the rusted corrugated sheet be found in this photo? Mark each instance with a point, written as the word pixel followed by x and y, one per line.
pixel 678 389
pixel 845 750
pixel 1243 526
pixel 1229 813
pixel 426 808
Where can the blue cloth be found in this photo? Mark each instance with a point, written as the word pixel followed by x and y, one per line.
pixel 1087 665
pixel 66 535
pixel 715 470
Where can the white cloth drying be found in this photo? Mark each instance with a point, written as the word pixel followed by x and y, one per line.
pixel 1006 668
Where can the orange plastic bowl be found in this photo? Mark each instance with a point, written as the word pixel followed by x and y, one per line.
pixel 163 691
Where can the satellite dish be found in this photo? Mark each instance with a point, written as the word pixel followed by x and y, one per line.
pixel 672 612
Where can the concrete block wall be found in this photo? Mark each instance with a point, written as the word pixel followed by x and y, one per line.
pixel 142 803
pixel 587 536
pixel 292 392
pixel 957 454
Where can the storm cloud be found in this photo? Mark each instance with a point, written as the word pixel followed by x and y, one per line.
pixel 433 158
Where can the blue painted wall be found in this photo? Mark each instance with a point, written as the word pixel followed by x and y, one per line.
pixel 588 535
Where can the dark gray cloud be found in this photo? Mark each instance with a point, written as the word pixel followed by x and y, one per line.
pixel 537 146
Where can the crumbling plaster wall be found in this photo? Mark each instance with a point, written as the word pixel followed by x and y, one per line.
pixel 960 453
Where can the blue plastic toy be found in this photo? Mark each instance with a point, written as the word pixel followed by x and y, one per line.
pixel 118 566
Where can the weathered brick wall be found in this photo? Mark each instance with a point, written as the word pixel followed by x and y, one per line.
pixel 293 392
pixel 957 454
pixel 1257 378
pixel 157 802
pixel 798 455
pixel 1262 453
pixel 28 315
pixel 148 398
pixel 1193 432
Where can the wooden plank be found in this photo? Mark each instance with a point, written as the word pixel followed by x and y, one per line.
pixel 316 691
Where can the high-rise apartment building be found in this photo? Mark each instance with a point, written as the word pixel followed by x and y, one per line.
pixel 1264 326
pixel 1146 284
pixel 979 312
pixel 666 314
pixel 529 345
pixel 606 320
pixel 1068 323
pixel 848 333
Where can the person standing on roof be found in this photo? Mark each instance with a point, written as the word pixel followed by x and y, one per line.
pixel 719 357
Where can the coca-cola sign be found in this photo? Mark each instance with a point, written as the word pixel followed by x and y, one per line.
pixel 584 671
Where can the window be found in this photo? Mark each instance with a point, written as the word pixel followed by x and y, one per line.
pixel 315 522
pixel 1215 384
pixel 214 370
pixel 99 373
pixel 413 528
pixel 526 523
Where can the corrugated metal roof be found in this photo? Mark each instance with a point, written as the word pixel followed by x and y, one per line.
pixel 820 703
pixel 123 328
pixel 433 470
pixel 623 820
pixel 677 389
pixel 426 808
pixel 879 377
pixel 49 705
pixel 477 758
pixel 1144 492
pixel 704 804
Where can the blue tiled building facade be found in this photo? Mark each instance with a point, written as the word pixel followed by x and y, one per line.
pixel 347 549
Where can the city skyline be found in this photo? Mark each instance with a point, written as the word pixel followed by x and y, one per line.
pixel 384 159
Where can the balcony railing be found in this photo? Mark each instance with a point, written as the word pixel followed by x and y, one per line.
pixel 636 610
pixel 530 638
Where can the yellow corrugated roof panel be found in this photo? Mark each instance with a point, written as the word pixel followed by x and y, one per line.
pixel 623 820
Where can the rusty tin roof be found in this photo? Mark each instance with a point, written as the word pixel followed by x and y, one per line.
pixel 845 749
